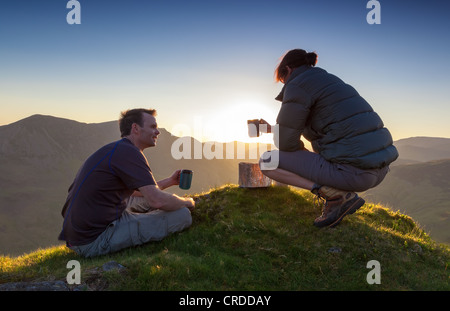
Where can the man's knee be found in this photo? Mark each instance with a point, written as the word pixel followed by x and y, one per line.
pixel 187 216
pixel 180 219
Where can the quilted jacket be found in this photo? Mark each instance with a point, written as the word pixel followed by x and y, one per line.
pixel 338 122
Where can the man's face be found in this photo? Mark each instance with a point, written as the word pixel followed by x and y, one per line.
pixel 148 133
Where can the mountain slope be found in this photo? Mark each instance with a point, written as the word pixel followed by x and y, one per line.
pixel 422 149
pixel 259 239
pixel 40 136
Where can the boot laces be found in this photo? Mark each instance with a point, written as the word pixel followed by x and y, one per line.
pixel 320 202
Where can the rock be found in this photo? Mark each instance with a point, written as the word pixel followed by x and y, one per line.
pixel 334 250
pixel 93 282
pixel 111 265
pixel 417 249
pixel 250 176
pixel 35 286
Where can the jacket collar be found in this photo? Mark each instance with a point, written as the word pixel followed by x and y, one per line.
pixel 297 71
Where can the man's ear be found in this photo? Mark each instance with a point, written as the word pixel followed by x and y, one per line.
pixel 134 128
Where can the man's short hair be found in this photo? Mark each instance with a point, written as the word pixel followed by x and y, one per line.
pixel 128 117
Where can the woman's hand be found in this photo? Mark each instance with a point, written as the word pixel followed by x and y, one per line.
pixel 264 129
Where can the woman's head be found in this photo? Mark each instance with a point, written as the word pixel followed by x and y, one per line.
pixel 291 60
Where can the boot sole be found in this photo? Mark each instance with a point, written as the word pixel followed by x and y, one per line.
pixel 350 210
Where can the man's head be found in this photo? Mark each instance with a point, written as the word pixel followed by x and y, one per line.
pixel 139 125
pixel 127 118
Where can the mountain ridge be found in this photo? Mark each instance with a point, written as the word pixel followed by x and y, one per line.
pixel 422 149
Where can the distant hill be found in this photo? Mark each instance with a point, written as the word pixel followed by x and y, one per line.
pixel 422 149
pixel 40 155
pixel 40 137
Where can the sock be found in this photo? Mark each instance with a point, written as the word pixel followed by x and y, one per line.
pixel 315 188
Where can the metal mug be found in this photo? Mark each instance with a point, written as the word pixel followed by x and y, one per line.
pixel 185 179
pixel 253 127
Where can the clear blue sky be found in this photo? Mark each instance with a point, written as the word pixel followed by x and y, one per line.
pixel 212 62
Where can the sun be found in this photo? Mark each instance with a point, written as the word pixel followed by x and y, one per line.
pixel 229 123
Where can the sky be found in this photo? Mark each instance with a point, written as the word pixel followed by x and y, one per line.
pixel 208 66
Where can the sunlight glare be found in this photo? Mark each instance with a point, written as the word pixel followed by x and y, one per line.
pixel 230 123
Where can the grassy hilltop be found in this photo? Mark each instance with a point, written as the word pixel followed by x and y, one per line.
pixel 260 239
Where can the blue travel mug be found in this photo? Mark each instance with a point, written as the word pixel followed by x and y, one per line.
pixel 185 179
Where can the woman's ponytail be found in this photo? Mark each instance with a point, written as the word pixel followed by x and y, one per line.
pixel 293 59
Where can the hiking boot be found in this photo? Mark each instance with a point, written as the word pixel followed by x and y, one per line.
pixel 337 205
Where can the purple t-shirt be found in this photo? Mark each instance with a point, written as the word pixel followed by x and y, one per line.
pixel 97 195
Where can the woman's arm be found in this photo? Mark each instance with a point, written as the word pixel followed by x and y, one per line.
pixel 292 118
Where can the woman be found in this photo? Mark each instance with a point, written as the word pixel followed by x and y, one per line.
pixel 352 149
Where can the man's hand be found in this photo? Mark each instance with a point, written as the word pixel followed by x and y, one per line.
pixel 162 200
pixel 175 178
pixel 191 204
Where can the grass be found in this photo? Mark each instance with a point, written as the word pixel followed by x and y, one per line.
pixel 421 191
pixel 260 239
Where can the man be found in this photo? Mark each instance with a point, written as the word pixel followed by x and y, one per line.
pixel 96 218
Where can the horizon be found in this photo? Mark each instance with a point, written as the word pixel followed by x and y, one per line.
pixel 192 64
pixel 267 139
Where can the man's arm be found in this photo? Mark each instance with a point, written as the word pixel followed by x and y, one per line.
pixel 163 200
pixel 170 181
pixel 165 183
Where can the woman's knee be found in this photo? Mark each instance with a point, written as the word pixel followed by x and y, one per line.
pixel 269 160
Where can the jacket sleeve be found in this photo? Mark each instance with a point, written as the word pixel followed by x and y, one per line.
pixel 292 118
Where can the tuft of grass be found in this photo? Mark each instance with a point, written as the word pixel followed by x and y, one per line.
pixel 261 239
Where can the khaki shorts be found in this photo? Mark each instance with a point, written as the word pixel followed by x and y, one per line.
pixel 136 228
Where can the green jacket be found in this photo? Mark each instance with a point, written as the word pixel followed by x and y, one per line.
pixel 338 122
